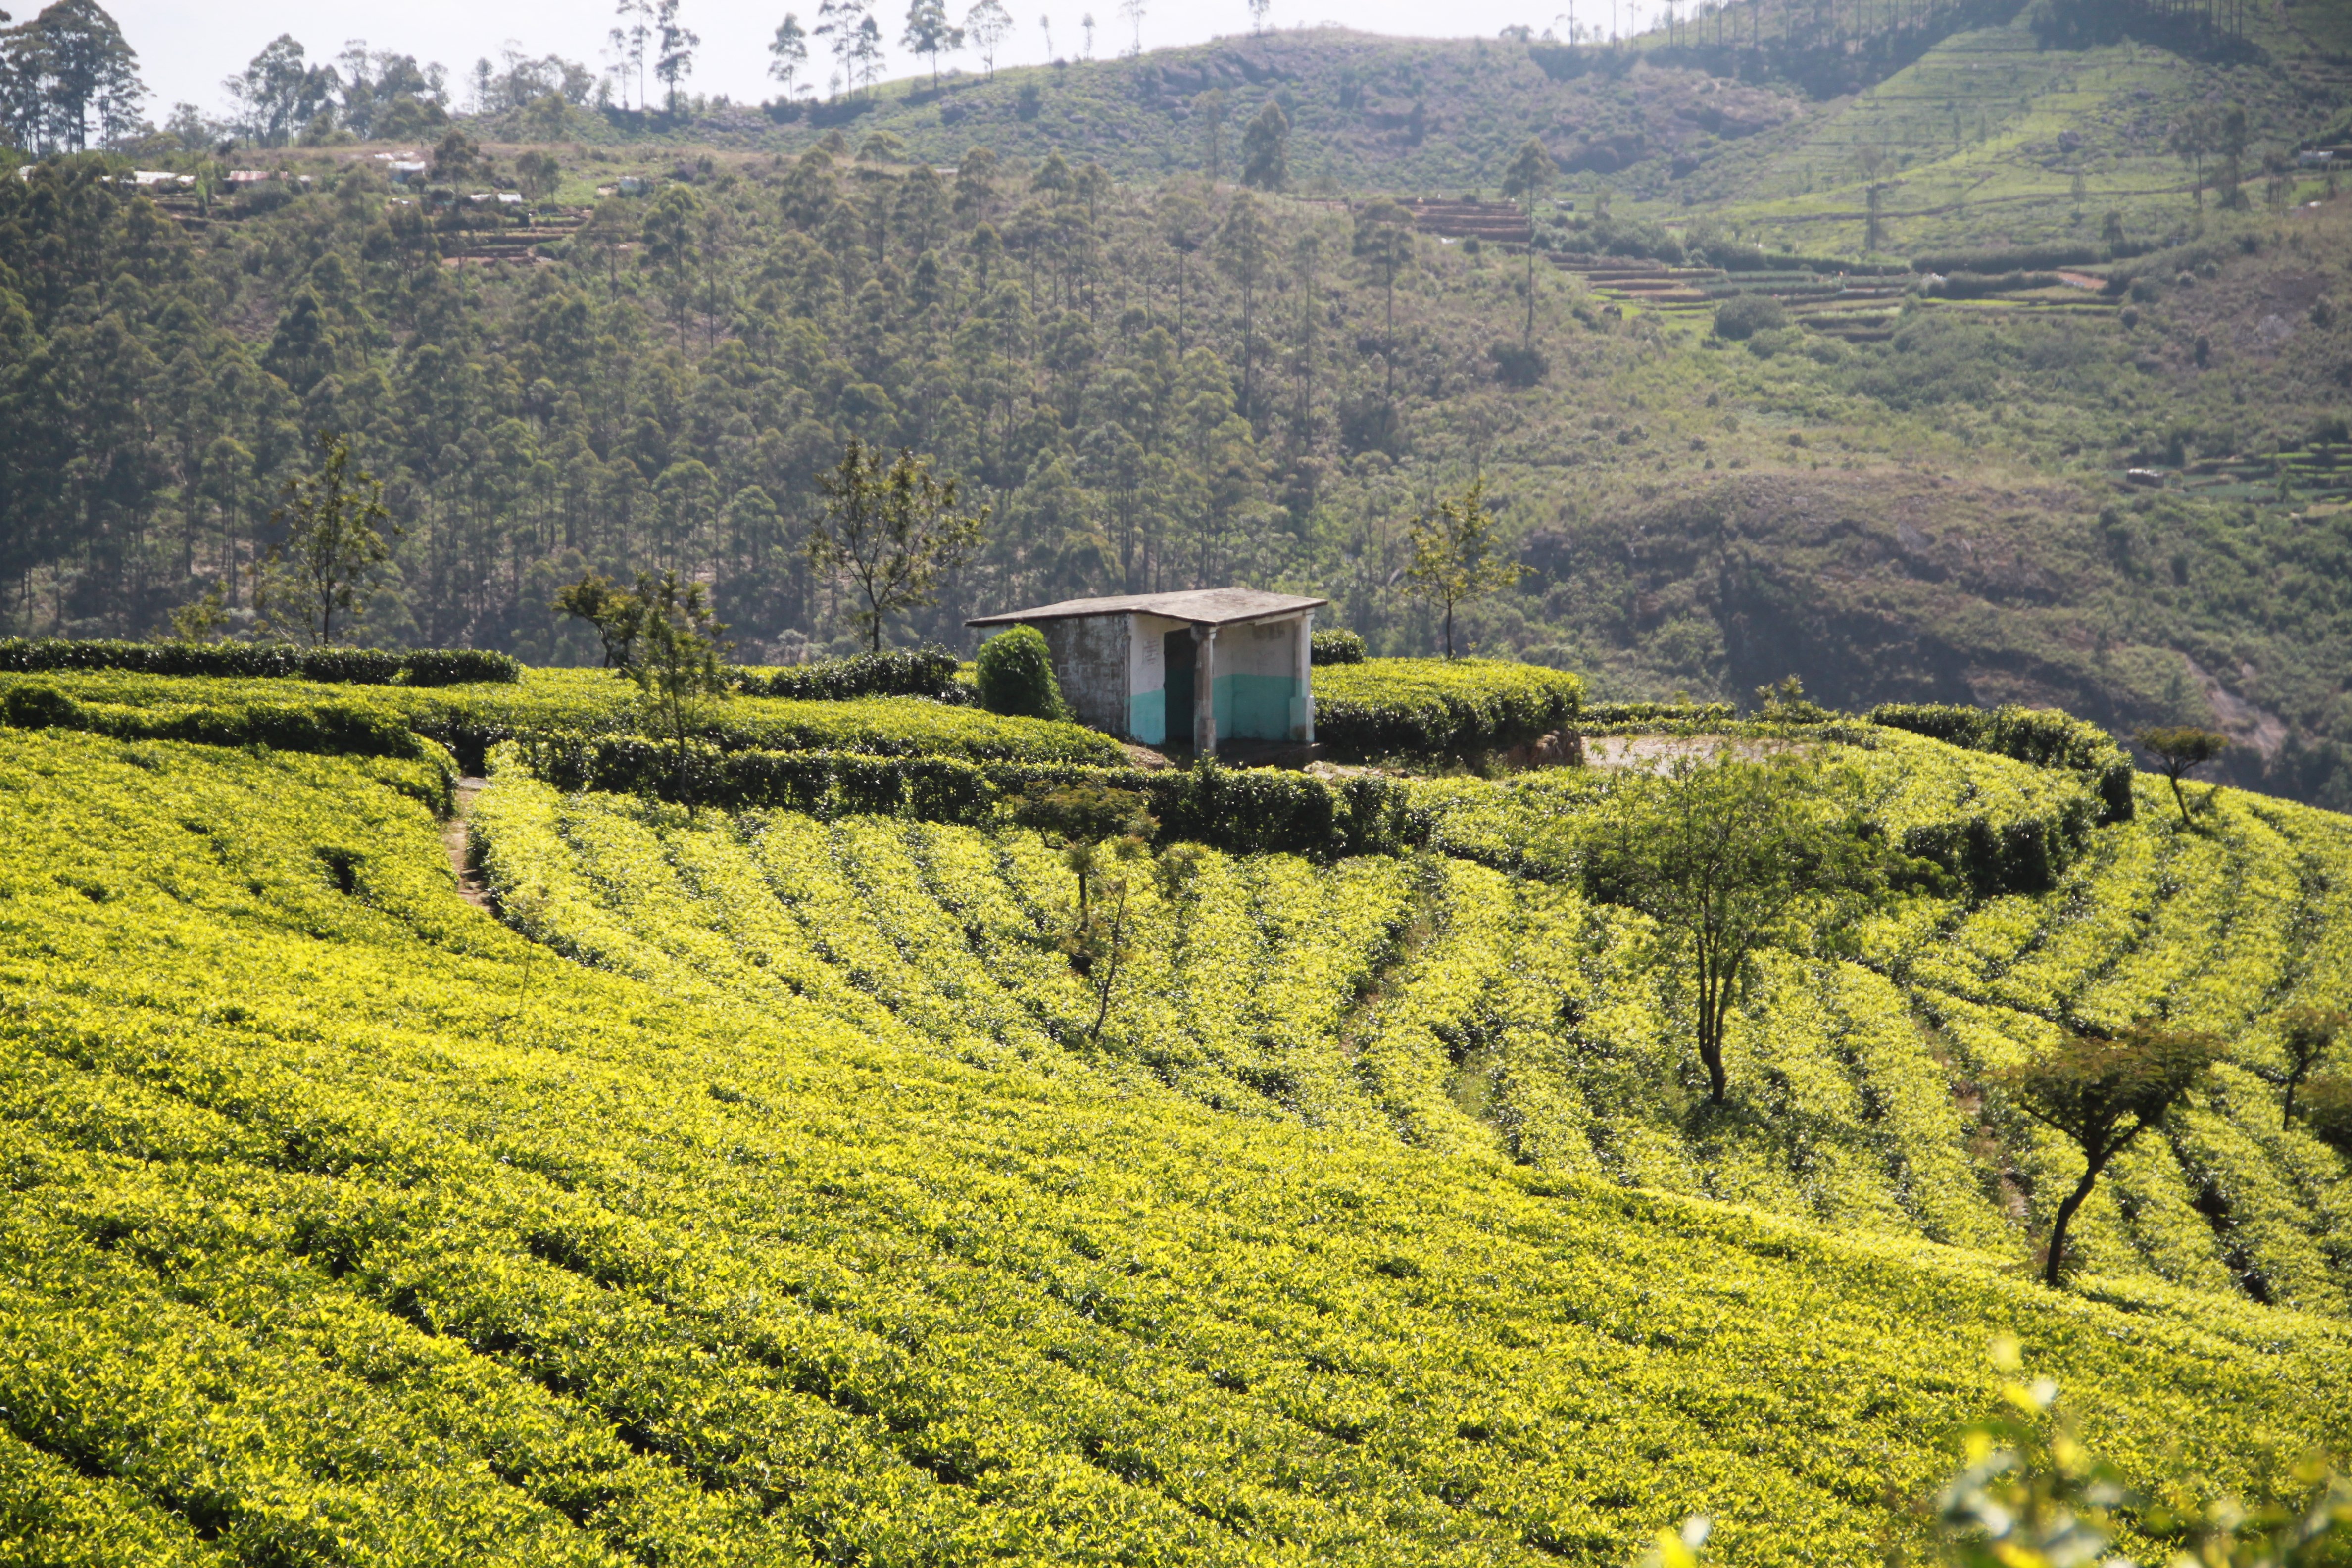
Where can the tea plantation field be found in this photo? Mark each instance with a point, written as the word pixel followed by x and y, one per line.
pixel 756 1191
pixel 1463 1010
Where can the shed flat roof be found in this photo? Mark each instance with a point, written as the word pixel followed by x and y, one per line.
pixel 1202 606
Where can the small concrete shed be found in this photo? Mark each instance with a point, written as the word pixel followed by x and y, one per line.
pixel 1184 668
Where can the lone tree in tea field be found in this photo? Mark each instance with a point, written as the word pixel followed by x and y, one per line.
pixel 2181 750
pixel 2307 1036
pixel 674 664
pixel 332 543
pixel 1097 827
pixel 1728 857
pixel 1454 556
pixel 892 530
pixel 2103 1093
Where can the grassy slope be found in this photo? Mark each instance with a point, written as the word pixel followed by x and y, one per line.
pixel 343 1226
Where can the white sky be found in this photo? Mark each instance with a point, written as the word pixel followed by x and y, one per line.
pixel 186 47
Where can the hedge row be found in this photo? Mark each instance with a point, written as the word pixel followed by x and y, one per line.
pixel 1240 811
pixel 2022 854
pixel 332 729
pixel 343 665
pixel 1984 285
pixel 928 672
pixel 2041 736
pixel 1662 718
pixel 1435 707
pixel 471 720
pixel 2028 258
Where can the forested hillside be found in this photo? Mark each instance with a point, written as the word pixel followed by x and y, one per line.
pixel 1912 486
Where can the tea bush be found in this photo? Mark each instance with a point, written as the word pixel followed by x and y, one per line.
pixel 1434 707
pixel 345 665
pixel 928 672
pixel 469 721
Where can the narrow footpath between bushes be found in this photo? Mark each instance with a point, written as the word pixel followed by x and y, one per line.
pixel 470 886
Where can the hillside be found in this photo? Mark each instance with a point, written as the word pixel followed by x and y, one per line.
pixel 348 1224
pixel 1959 469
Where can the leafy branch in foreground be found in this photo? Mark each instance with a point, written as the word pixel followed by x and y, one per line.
pixel 1728 857
pixel 2029 1494
pixel 2103 1093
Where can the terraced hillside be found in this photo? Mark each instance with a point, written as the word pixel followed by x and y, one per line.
pixel 344 1225
pixel 1470 1011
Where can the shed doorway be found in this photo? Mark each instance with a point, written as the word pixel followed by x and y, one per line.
pixel 1178 654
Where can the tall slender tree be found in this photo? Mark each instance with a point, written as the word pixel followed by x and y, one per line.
pixel 1454 558
pixel 788 52
pixel 929 33
pixel 333 519
pixel 1245 246
pixel 988 24
pixel 675 62
pixel 1529 175
pixel 892 531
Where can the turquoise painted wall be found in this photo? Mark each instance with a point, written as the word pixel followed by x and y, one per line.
pixel 1254 707
pixel 1146 717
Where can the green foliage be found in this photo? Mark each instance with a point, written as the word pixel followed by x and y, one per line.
pixel 1016 675
pixel 674 663
pixel 892 532
pixel 2032 1494
pixel 333 545
pixel 2327 1107
pixel 1439 708
pixel 1745 315
pixel 2043 736
pixel 330 727
pixel 1074 814
pixel 615 613
pixel 1245 810
pixel 1336 645
pixel 1099 829
pixel 2307 1039
pixel 1456 559
pixel 470 720
pixel 2181 750
pixel 928 672
pixel 1725 857
pixel 2102 1093
pixel 489 1236
pixel 344 666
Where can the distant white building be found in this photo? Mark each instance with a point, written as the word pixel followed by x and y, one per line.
pixel 1185 669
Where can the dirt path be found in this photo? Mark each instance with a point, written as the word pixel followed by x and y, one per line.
pixel 470 886
pixel 1656 751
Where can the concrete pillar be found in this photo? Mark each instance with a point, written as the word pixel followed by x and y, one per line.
pixel 1304 726
pixel 1205 691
